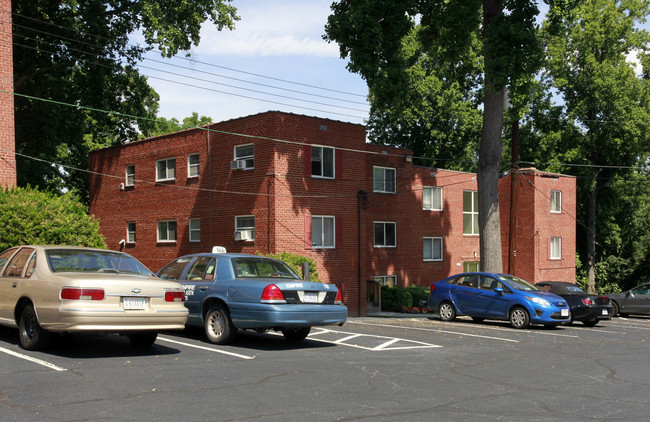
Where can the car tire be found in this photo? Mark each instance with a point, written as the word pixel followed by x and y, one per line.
pixel 296 335
pixel 219 328
pixel 143 338
pixel 591 322
pixel 616 310
pixel 32 335
pixel 519 318
pixel 447 311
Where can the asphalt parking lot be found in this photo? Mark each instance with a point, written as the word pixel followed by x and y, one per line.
pixel 380 369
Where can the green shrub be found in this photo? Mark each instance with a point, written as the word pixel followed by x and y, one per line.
pixel 393 298
pixel 296 261
pixel 30 216
pixel 418 293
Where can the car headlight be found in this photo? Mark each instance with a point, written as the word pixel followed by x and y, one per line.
pixel 539 301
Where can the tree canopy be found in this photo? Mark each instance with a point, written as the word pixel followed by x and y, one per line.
pixel 419 57
pixel 80 53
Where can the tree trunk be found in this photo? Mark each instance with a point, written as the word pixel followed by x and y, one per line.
pixel 591 240
pixel 489 158
pixel 488 182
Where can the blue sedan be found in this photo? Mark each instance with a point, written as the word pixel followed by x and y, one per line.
pixel 497 296
pixel 225 292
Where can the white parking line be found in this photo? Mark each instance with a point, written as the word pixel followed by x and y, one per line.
pixel 205 348
pixel 434 330
pixel 383 346
pixel 32 359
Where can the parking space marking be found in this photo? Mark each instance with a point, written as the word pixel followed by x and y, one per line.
pixel 205 348
pixel 409 344
pixel 435 330
pixel 33 359
pixel 512 330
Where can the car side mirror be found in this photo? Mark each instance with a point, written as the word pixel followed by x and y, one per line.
pixel 499 290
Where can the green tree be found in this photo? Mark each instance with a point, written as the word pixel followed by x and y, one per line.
pixel 606 115
pixel 79 52
pixel 375 35
pixel 162 126
pixel 30 216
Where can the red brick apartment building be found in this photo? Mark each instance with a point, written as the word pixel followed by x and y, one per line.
pixel 275 182
pixel 7 132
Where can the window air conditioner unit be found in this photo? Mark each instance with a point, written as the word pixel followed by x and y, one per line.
pixel 237 164
pixel 244 234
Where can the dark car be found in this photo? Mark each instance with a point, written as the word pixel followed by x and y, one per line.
pixel 633 301
pixel 225 292
pixel 497 296
pixel 585 307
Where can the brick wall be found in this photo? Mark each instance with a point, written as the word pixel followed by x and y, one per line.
pixel 7 132
pixel 283 196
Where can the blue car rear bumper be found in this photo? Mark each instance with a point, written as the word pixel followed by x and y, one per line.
pixel 259 315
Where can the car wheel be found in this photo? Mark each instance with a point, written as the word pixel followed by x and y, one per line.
pixel 446 311
pixel 32 335
pixel 590 323
pixel 296 335
pixel 616 308
pixel 143 338
pixel 519 318
pixel 477 319
pixel 218 326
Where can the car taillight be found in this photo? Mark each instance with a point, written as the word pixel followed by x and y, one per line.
pixel 433 286
pixel 73 293
pixel 588 301
pixel 272 294
pixel 339 298
pixel 174 297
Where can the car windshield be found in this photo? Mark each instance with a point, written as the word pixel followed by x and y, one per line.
pixel 89 261
pixel 518 284
pixel 262 268
pixel 575 289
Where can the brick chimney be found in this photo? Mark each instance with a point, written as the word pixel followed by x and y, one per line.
pixel 7 128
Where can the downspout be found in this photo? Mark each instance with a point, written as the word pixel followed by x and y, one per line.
pixel 361 200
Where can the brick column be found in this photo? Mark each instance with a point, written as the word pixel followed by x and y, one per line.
pixel 7 128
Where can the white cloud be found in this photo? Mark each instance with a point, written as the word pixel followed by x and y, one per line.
pixel 269 28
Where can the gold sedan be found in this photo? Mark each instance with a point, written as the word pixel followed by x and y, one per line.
pixel 57 289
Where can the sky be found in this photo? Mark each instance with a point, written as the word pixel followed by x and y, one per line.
pixel 275 59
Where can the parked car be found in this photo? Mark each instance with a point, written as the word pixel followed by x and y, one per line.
pixel 496 296
pixel 58 289
pixel 225 292
pixel 585 307
pixel 634 301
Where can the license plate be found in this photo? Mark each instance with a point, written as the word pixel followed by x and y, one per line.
pixel 564 312
pixel 311 297
pixel 134 302
pixel 605 312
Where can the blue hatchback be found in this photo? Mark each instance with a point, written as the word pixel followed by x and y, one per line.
pixel 497 296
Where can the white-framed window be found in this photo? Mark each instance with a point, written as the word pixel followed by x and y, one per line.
pixel 245 154
pixel 386 280
pixel 323 231
pixel 165 169
pixel 556 247
pixel 193 165
pixel 432 248
pixel 383 179
pixel 130 232
pixel 556 201
pixel 385 234
pixel 130 175
pixel 167 231
pixel 194 229
pixel 322 162
pixel 471 266
pixel 432 198
pixel 470 212
pixel 245 227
